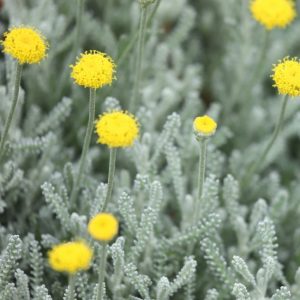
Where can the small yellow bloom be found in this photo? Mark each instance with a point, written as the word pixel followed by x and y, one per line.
pixel 70 257
pixel 286 75
pixel 204 126
pixel 273 13
pixel 103 227
pixel 117 129
pixel 93 69
pixel 25 44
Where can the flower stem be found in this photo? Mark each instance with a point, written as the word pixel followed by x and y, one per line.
pixel 80 5
pixel 86 144
pixel 264 154
pixel 14 102
pixel 111 174
pixel 132 41
pixel 108 10
pixel 102 268
pixel 201 177
pixel 71 288
pixel 139 61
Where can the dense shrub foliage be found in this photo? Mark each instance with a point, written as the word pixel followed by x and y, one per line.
pixel 174 60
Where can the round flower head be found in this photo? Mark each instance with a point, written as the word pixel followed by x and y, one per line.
pixel 70 257
pixel 93 69
pixel 117 129
pixel 103 227
pixel 204 126
pixel 25 44
pixel 286 75
pixel 273 13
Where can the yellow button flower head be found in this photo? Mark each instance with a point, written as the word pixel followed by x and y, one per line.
pixel 273 13
pixel 204 126
pixel 93 69
pixel 25 44
pixel 286 75
pixel 117 129
pixel 70 257
pixel 103 227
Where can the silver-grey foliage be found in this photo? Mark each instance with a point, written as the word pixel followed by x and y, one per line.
pixel 200 57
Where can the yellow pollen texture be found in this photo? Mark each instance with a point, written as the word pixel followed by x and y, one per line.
pixel 286 75
pixel 70 257
pixel 93 69
pixel 117 129
pixel 25 44
pixel 273 13
pixel 103 227
pixel 205 125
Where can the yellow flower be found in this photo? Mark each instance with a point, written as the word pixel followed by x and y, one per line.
pixel 117 129
pixel 70 257
pixel 25 44
pixel 103 227
pixel 204 126
pixel 93 69
pixel 273 13
pixel 286 75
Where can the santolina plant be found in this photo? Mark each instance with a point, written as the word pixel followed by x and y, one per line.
pixel 115 129
pixel 92 70
pixel 27 46
pixel 272 14
pixel 286 78
pixel 103 227
pixel 70 257
pixel 201 202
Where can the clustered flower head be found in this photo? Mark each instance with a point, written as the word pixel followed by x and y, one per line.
pixel 103 227
pixel 70 257
pixel 273 13
pixel 117 129
pixel 286 75
pixel 93 69
pixel 25 44
pixel 204 126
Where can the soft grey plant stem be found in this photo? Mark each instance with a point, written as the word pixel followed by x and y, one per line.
pixel 86 144
pixel 111 174
pixel 71 288
pixel 108 10
pixel 201 177
pixel 15 96
pixel 102 267
pixel 139 60
pixel 64 78
pixel 132 41
pixel 258 163
pixel 80 6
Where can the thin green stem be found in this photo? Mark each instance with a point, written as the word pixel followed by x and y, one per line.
pixel 132 41
pixel 64 79
pixel 259 162
pixel 86 145
pixel 111 174
pixel 80 6
pixel 108 10
pixel 71 287
pixel 139 60
pixel 14 102
pixel 102 268
pixel 201 177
